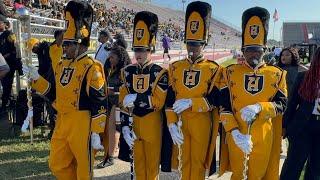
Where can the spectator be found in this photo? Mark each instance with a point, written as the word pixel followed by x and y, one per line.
pixel 120 41
pixel 4 68
pixel 103 49
pixel 44 4
pixel 8 51
pixel 166 46
pixel 3 11
pixel 301 121
pixel 276 53
pixel 290 61
pixel 118 59
pixel 36 4
pixel 18 4
pixel 269 58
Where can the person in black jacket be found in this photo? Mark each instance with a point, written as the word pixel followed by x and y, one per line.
pixel 118 59
pixel 8 51
pixel 301 122
pixel 290 61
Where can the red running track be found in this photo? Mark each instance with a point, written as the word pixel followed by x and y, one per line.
pixel 217 55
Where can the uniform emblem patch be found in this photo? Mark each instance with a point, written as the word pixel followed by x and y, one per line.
pixel 191 78
pixel 253 83
pixel 254 31
pixel 141 82
pixel 66 76
pixel 194 26
pixel 139 34
pixel 12 38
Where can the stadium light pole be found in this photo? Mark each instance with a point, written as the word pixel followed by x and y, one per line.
pixel 183 2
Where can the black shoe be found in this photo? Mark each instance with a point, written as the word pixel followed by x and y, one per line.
pixel 3 110
pixel 107 162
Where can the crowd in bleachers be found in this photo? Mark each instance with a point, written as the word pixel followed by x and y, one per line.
pixel 44 8
pixel 115 17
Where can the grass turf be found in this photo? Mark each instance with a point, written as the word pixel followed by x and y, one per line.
pixel 20 159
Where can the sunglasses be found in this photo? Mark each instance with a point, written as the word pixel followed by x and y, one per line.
pixel 68 43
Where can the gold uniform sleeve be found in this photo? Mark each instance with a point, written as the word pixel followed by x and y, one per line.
pixel 211 99
pixel 122 90
pixel 41 85
pixel 96 89
pixel 278 103
pixel 226 114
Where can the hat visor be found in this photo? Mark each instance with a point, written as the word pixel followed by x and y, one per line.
pixel 140 49
pixel 253 48
pixel 68 42
pixel 195 43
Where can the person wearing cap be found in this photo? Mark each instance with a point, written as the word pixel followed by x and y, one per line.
pixel 193 97
pixel 253 99
pixel 143 91
pixel 77 94
pixel 8 51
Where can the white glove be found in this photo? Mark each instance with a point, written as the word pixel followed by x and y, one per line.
pixel 176 136
pixel 129 100
pixel 128 136
pixel 25 126
pixel 182 104
pixel 242 141
pixel 26 122
pixel 250 112
pixel 95 141
pixel 32 71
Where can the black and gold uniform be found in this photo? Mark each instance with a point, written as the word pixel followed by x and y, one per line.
pixel 77 95
pixel 196 80
pixel 150 83
pixel 263 86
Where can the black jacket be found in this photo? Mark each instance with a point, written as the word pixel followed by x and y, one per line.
pixel 298 112
pixel 292 72
pixel 8 50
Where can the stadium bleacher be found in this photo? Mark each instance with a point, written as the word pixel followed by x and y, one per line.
pixel 117 17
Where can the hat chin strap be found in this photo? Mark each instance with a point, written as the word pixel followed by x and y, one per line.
pixel 76 52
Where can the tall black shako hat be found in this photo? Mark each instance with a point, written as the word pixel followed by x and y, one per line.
pixel 144 31
pixel 255 27
pixel 197 23
pixel 78 17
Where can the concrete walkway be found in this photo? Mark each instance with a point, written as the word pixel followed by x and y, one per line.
pixel 121 170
